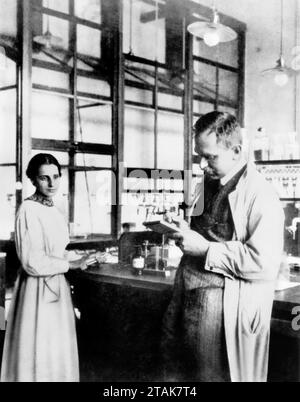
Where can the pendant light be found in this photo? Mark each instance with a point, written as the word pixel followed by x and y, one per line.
pixel 3 59
pixel 212 32
pixel 47 39
pixel 280 72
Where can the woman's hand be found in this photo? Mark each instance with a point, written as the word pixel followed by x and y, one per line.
pixel 79 261
pixel 78 264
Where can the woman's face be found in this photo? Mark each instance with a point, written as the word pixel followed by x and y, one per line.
pixel 47 180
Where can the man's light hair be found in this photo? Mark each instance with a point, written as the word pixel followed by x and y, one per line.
pixel 224 125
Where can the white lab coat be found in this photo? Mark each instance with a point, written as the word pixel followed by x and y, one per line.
pixel 40 342
pixel 250 264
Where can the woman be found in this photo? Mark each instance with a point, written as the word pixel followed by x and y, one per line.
pixel 40 342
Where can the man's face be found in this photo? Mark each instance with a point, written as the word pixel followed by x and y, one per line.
pixel 215 159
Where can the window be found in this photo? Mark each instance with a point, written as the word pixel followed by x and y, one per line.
pixel 8 118
pixel 139 26
pixel 71 108
pixel 93 200
pixel 78 103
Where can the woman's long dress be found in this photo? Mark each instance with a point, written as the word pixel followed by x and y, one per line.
pixel 40 342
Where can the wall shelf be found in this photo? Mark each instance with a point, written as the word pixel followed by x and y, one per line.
pixel 296 199
pixel 279 162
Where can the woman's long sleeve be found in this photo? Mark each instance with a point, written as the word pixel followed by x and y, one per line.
pixel 31 249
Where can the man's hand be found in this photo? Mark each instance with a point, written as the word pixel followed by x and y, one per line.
pixel 191 243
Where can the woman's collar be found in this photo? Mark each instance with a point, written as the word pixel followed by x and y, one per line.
pixel 41 199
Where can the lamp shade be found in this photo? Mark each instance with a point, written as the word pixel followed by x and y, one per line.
pixel 279 72
pixel 3 58
pixel 212 32
pixel 203 29
pixel 48 40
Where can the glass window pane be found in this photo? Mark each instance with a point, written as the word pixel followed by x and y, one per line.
pixel 93 160
pixel 139 138
pixel 88 41
pixel 137 180
pixel 139 74
pixel 38 54
pixel 228 86
pixel 8 74
pixel 169 101
pixel 58 5
pixel 62 157
pixel 96 123
pixel 202 107
pixel 226 53
pixel 138 208
pixel 229 53
pixel 136 33
pixel 139 95
pixel 8 19
pixel 129 213
pixel 228 110
pixel 84 63
pixel 8 126
pixel 204 80
pixel 168 81
pixel 7 201
pixel 59 28
pixel 42 76
pixel 172 182
pixel 93 86
pixel 88 10
pixel 93 209
pixel 50 116
pixel 170 143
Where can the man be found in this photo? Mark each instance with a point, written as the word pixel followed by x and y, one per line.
pixel 217 325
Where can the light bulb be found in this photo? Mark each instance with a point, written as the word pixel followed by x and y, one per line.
pixel 211 38
pixel 281 79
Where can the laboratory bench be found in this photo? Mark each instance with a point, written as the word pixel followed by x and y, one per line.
pixel 119 316
pixel 120 324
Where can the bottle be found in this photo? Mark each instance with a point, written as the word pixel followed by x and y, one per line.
pixel 138 261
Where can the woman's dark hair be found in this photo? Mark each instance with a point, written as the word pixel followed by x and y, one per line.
pixel 39 160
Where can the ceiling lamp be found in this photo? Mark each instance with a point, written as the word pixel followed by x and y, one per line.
pixel 3 58
pixel 47 39
pixel 212 32
pixel 280 71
